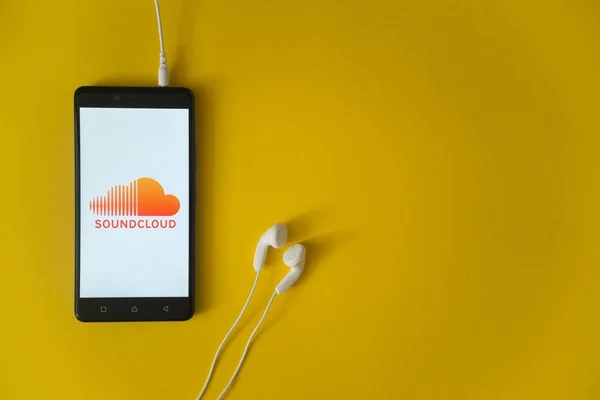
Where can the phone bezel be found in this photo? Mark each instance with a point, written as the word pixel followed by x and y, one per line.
pixel 150 308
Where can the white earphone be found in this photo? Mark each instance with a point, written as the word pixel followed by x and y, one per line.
pixel 275 236
pixel 294 257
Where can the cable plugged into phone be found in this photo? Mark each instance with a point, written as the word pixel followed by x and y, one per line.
pixel 163 70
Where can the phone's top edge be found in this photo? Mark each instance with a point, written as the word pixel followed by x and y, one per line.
pixel 102 93
pixel 128 89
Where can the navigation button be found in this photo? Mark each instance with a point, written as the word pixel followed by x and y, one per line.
pixel 166 308
pixel 103 309
pixel 134 309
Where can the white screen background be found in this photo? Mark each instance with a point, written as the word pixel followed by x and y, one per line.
pixel 118 146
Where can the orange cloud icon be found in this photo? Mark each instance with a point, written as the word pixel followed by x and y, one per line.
pixel 142 197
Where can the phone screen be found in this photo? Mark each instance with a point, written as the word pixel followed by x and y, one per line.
pixel 134 211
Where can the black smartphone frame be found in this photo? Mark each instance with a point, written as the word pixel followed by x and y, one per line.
pixel 149 308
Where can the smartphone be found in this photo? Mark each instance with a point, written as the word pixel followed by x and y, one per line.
pixel 134 204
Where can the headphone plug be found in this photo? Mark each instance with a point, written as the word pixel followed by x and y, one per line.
pixel 163 70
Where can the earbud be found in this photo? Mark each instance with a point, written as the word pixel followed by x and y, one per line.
pixel 294 257
pixel 275 236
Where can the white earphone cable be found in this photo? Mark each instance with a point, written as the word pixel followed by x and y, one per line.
pixel 247 347
pixel 214 363
pixel 163 70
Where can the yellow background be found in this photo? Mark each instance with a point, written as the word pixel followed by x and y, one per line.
pixel 438 158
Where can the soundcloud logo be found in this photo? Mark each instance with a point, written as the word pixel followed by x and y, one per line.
pixel 144 197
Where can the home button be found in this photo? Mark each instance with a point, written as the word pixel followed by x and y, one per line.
pixel 134 309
